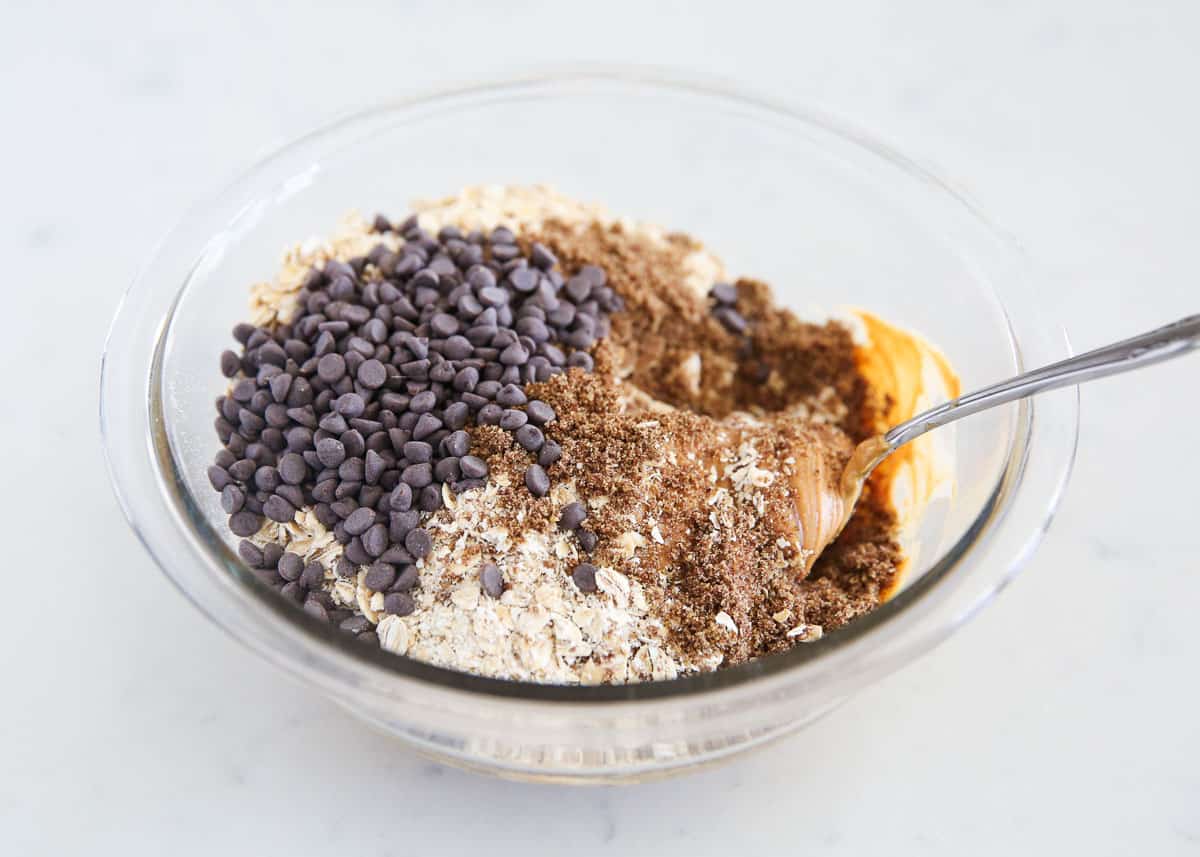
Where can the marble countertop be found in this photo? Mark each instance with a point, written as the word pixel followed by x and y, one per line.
pixel 1065 719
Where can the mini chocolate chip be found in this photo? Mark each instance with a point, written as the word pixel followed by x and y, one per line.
pixel 331 368
pixel 292 469
pixel 400 499
pixel 417 475
pixel 406 580
pixel 730 319
pixel 530 437
pixel 371 374
pixel 573 514
pixel 380 576
pixel 584 576
pixel 294 494
pixel 550 452
pixel 315 609
pixel 539 412
pixel 398 604
pixel 231 364
pixel 512 419
pixel 313 576
pixel 418 451
pixel 232 499
pixel 489 414
pixel 537 481
pixel 448 469
pixel 491 579
pixel 510 395
pixel 244 523
pixel 279 510
pixel 418 542
pixel 541 256
pixel 430 499
pixel 352 470
pixel 473 467
pixel 359 521
pixel 350 405
pixel 290 567
pixel 587 539
pixel 272 553
pixel 375 540
pixel 251 554
pixel 426 425
pixel 331 452
pixel 724 293
pixel 581 360
pixel 455 415
pixel 373 467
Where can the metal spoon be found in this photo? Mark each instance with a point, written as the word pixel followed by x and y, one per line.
pixel 1160 344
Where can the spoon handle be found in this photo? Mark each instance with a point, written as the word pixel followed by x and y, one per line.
pixel 1160 344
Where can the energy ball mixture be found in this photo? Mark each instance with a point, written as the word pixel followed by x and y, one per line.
pixel 514 436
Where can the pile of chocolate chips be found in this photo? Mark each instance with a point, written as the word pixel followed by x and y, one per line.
pixel 360 407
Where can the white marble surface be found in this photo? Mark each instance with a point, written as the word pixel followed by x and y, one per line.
pixel 1065 720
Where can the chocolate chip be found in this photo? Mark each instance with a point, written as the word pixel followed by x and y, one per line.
pixel 316 609
pixel 550 452
pixel 331 451
pixel 512 419
pixel 292 469
pixel 510 395
pixel 251 554
pixel 430 499
pixel 380 576
pixel 425 426
pixel 331 368
pixel 371 374
pixel 730 319
pixel 489 414
pixel 398 604
pixel 418 542
pixel 375 540
pixel 581 360
pixel 417 475
pixel 491 580
pixel 541 256
pixel 530 437
pixel 244 523
pixel 406 579
pixel 232 499
pixel 290 567
pixel 473 467
pixel 573 514
pixel 359 521
pixel 313 576
pixel 539 412
pixel 400 500
pixel 272 553
pixel 587 539
pixel 231 364
pixel 584 576
pixel 279 510
pixel 350 405
pixel 537 481
pixel 724 293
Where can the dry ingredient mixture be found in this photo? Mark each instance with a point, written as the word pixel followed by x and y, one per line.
pixel 514 436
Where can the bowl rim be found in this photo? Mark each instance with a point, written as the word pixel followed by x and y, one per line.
pixel 389 667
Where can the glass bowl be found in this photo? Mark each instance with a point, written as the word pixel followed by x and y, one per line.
pixel 826 213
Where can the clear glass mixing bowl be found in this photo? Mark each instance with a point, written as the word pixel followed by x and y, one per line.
pixel 826 213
